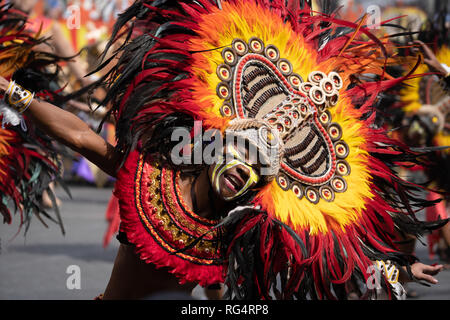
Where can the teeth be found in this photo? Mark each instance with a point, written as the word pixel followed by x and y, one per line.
pixel 233 181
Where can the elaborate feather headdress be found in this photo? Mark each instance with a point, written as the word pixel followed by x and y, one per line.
pixel 336 203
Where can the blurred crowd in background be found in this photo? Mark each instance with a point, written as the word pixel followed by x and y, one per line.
pixel 78 29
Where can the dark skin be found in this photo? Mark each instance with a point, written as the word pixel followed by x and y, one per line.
pixel 132 278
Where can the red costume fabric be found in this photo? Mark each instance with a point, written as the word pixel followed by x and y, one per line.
pixel 156 219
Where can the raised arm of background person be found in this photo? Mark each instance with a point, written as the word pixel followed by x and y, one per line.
pixel 71 131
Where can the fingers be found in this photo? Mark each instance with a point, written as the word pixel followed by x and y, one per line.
pixel 426 272
pixel 420 43
pixel 429 57
pixel 432 270
pixel 427 278
pixel 425 48
pixel 428 53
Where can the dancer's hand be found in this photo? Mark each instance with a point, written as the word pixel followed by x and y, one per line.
pixel 425 272
pixel 430 59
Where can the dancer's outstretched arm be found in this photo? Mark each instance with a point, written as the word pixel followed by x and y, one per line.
pixel 71 131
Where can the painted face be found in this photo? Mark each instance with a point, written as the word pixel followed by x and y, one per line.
pixel 235 173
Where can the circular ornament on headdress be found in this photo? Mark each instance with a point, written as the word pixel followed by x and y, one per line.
pixel 342 168
pixel 312 195
pixel 342 149
pixel 239 46
pixel 285 67
pixel 316 77
pixel 229 56
pixel 224 72
pixel 326 193
pixel 306 87
pixel 325 118
pixel 272 53
pixel 328 87
pixel 303 109
pixel 287 123
pixel 335 131
pixel 280 128
pixel 333 99
pixel 317 95
pixel 295 80
pixel 336 78
pixel 256 45
pixel 223 91
pixel 338 184
pixel 322 107
pixel 226 110
pixel 283 182
pixel 297 190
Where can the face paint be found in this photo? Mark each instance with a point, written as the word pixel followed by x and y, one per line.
pixel 223 166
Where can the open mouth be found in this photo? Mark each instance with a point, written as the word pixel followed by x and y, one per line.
pixel 233 182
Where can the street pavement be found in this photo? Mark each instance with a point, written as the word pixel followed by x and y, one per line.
pixel 43 264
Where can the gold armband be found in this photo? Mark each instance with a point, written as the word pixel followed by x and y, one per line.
pixel 17 97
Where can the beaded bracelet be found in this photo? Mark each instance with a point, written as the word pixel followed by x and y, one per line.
pixel 17 97
pixel 15 101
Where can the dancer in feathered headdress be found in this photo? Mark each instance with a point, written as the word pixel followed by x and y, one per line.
pixel 304 207
pixel 426 109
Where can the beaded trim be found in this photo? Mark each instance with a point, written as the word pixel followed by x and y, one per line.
pixel 165 216
pixel 257 83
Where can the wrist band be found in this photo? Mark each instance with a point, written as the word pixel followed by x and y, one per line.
pixel 15 101
pixel 18 97
pixel 389 270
